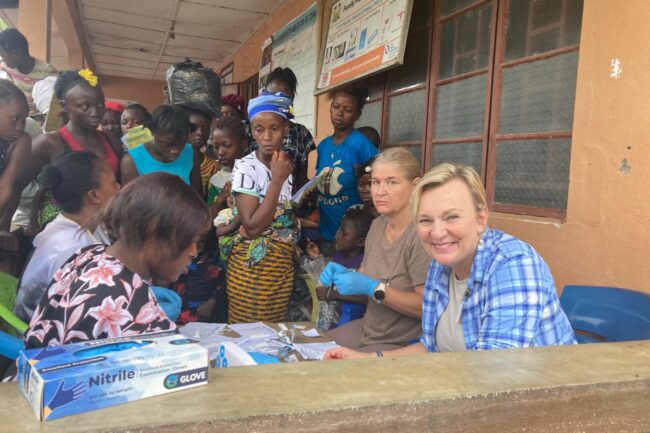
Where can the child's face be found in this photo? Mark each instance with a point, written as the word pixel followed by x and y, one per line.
pixel 111 121
pixel 13 113
pixel 230 201
pixel 363 187
pixel 131 118
pixel 168 145
pixel 199 137
pixel 269 130
pixel 226 147
pixel 347 237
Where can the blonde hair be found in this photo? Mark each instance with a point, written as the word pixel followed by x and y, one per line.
pixel 444 173
pixel 400 158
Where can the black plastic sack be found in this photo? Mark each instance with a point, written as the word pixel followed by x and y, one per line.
pixel 192 85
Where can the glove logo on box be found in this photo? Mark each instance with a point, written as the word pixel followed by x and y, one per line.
pixel 186 378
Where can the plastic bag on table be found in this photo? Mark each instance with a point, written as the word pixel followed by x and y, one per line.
pixel 327 314
pixel 192 85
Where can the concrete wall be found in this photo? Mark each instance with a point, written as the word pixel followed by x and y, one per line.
pixel 147 92
pixel 604 237
pixel 591 388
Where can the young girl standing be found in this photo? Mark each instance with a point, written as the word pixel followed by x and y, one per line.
pixel 337 156
pixel 168 151
pixel 229 139
pixel 260 270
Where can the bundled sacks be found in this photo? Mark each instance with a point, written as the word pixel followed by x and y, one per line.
pixel 192 85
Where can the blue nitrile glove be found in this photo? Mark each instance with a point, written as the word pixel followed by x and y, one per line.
pixel 355 283
pixel 327 276
pixel 169 301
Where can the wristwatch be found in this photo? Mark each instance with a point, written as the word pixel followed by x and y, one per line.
pixel 380 291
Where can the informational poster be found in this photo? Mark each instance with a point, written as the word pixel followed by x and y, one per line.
pixel 295 46
pixel 363 37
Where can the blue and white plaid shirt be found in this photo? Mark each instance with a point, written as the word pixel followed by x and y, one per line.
pixel 511 299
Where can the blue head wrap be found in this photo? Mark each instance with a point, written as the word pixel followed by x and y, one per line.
pixel 268 102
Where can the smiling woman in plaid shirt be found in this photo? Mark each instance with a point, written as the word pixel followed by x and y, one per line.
pixel 485 289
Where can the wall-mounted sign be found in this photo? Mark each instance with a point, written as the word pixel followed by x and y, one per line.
pixel 363 37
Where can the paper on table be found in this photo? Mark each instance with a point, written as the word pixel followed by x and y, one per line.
pixel 314 350
pixel 254 330
pixel 201 331
pixel 311 333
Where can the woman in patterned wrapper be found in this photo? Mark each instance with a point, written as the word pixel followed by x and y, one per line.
pixel 260 273
pixel 337 156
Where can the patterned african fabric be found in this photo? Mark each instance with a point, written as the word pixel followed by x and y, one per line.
pixel 94 296
pixel 260 292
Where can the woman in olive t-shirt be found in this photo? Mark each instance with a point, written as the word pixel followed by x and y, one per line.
pixel 394 256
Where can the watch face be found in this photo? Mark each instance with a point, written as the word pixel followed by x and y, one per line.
pixel 379 295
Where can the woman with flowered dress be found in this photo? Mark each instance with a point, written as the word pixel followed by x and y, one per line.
pixel 105 291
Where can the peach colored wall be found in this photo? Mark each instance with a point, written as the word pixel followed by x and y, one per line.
pixel 606 235
pixel 246 60
pixel 248 57
pixel 147 92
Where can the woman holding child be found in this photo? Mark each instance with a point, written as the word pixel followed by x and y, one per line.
pixel 393 256
pixel 485 289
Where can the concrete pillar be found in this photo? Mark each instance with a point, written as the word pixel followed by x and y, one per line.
pixel 34 21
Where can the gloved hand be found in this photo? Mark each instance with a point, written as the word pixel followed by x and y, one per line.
pixel 355 283
pixel 331 269
pixel 348 282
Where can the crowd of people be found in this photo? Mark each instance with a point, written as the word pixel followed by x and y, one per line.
pixel 200 216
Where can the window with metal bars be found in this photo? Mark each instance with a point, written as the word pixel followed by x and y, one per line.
pixel 491 84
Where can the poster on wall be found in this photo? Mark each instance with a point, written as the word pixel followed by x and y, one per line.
pixel 362 37
pixel 294 46
pixel 265 65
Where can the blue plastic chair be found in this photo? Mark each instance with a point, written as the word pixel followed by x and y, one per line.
pixel 604 314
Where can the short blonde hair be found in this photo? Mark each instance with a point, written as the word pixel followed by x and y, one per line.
pixel 444 173
pixel 402 159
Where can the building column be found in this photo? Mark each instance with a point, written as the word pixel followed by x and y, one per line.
pixel 34 21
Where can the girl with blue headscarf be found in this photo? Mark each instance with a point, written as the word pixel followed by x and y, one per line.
pixel 260 261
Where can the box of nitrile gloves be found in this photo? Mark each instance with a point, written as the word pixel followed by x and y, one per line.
pixel 74 378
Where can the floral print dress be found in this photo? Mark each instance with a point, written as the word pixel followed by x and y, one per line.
pixel 95 296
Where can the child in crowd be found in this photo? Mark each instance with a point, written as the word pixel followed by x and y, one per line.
pixel 168 151
pixel 229 140
pixel 134 115
pixel 350 242
pixel 111 120
pixel 203 287
pixel 260 271
pixel 227 224
pixel 15 147
pixel 364 185
pixel 232 105
pixel 337 156
pixel 198 138
pixel 371 134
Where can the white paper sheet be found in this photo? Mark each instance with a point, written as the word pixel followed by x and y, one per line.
pixel 311 333
pixel 314 350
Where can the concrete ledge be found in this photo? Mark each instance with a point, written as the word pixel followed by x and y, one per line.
pixel 592 388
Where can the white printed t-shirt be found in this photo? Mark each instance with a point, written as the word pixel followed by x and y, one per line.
pixel 250 176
